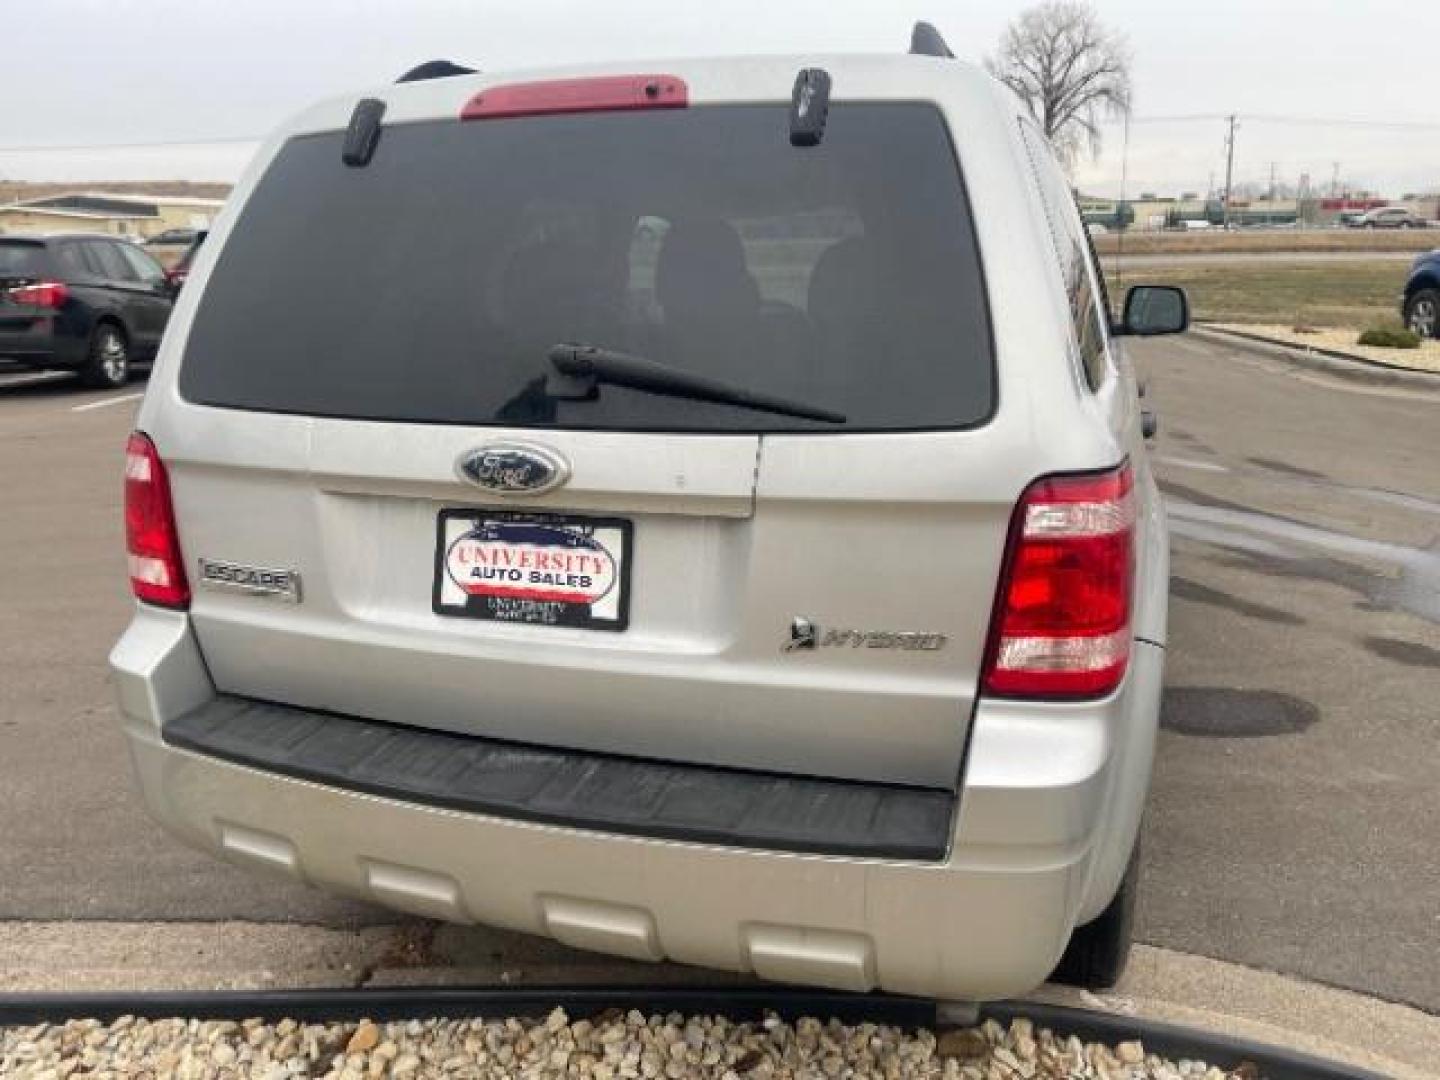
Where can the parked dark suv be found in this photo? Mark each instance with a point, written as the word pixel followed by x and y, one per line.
pixel 1421 300
pixel 91 304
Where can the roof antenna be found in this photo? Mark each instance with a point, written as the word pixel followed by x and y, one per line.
pixel 809 107
pixel 363 134
pixel 925 40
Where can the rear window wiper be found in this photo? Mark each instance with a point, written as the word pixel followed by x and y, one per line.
pixel 581 369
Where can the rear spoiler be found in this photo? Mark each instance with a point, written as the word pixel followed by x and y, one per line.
pixel 434 69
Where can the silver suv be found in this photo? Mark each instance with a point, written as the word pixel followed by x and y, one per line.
pixel 697 514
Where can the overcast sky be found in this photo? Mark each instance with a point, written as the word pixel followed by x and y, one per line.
pixel 145 71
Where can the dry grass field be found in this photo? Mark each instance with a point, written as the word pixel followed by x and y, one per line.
pixel 1255 242
pixel 1351 293
pixel 17 190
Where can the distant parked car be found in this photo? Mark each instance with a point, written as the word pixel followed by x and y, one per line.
pixel 1420 303
pixel 173 238
pixel 1389 217
pixel 91 304
pixel 177 274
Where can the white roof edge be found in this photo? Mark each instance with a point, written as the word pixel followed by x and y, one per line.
pixel 766 77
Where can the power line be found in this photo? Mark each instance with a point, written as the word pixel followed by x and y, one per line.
pixel 1189 118
pixel 49 148
pixel 1312 121
pixel 1330 121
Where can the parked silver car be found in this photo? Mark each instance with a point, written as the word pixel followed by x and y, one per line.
pixel 698 514
pixel 1389 217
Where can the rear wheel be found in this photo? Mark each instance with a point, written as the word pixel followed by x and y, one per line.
pixel 1096 956
pixel 107 365
pixel 1422 313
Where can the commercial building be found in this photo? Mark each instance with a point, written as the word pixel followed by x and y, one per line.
pixel 135 216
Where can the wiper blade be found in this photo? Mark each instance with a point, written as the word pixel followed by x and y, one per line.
pixel 582 368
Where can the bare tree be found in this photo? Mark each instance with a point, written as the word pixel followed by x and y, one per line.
pixel 1069 69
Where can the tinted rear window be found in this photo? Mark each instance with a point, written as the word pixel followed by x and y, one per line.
pixel 21 260
pixel 430 285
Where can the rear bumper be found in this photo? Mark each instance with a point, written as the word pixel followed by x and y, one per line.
pixel 1045 809
pixel 39 345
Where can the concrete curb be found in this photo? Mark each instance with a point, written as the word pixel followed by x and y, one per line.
pixel 1341 365
pixel 1162 986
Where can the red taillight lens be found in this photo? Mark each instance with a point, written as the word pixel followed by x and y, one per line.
pixel 46 294
pixel 1062 624
pixel 606 93
pixel 157 573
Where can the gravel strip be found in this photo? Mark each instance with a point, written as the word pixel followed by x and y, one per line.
pixel 1425 358
pixel 612 1046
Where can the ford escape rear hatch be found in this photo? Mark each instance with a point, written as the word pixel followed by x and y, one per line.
pixel 696 579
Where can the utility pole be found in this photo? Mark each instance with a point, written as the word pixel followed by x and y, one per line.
pixel 1335 181
pixel 1229 167
pixel 1273 166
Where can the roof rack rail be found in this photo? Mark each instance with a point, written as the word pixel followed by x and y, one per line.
pixel 925 40
pixel 434 69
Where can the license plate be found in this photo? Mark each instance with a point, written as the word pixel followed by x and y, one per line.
pixel 534 569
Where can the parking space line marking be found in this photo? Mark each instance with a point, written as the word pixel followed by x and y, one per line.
pixel 104 402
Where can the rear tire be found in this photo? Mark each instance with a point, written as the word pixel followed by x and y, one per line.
pixel 1098 951
pixel 1422 313
pixel 107 361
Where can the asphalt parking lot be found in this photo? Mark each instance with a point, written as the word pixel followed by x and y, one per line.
pixel 1292 821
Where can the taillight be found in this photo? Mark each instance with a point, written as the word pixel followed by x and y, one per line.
pixel 605 93
pixel 1062 621
pixel 157 573
pixel 46 294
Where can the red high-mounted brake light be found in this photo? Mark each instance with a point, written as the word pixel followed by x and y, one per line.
pixel 1062 623
pixel 45 294
pixel 606 93
pixel 157 572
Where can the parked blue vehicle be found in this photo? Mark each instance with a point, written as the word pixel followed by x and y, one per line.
pixel 1420 304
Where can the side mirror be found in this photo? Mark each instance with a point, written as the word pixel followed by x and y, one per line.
pixel 1152 310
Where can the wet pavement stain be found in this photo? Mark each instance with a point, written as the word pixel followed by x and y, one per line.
pixel 1185 494
pixel 1271 465
pixel 1397 498
pixel 1289 474
pixel 1410 653
pixel 1187 438
pixel 1223 713
pixel 1186 589
pixel 1270 544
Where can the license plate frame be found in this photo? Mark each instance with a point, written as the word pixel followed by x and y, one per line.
pixel 533 569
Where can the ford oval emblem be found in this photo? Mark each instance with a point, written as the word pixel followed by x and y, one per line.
pixel 513 468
